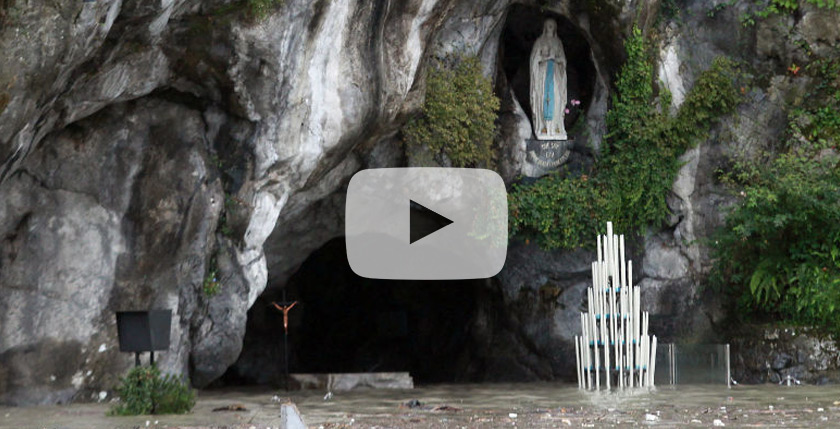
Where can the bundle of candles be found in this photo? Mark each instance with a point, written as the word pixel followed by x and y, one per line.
pixel 614 344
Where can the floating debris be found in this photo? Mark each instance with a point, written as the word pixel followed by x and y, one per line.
pixel 231 407
pixel 445 408
pixel 414 403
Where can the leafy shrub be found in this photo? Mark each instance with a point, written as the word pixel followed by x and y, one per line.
pixel 639 160
pixel 458 116
pixel 557 211
pixel 778 254
pixel 145 391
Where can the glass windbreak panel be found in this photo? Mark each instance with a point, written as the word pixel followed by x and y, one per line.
pixel 663 374
pixel 692 364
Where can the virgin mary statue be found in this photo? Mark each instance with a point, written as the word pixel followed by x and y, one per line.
pixel 548 84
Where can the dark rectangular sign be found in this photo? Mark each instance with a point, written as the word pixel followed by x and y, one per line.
pixel 144 331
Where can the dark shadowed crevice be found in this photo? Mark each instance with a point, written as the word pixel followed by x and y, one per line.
pixel 345 323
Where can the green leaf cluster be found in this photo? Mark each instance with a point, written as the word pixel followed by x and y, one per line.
pixel 778 255
pixel 639 159
pixel 211 285
pixel 144 390
pixel 457 119
pixel 557 211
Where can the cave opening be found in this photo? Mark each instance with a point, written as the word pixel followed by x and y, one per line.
pixel 346 323
pixel 523 26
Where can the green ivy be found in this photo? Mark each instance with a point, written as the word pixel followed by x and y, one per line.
pixel 639 159
pixel 557 211
pixel 457 119
pixel 144 390
pixel 778 254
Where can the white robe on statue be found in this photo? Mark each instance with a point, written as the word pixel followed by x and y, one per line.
pixel 548 84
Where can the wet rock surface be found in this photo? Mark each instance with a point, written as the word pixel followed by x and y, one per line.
pixel 785 355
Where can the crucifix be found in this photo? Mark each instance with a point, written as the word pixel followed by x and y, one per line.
pixel 285 307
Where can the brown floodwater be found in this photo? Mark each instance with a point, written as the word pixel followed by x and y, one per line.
pixel 539 405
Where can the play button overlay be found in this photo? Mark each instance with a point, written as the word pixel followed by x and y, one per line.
pixel 426 223
pixel 423 221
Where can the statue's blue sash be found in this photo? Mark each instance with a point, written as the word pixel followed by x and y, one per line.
pixel 548 97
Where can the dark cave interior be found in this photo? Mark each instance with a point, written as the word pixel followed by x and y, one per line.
pixel 346 323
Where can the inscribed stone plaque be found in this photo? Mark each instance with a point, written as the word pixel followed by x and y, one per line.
pixel 545 156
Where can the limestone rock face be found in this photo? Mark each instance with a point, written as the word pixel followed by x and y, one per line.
pixel 148 147
pixel 774 354
pixel 115 213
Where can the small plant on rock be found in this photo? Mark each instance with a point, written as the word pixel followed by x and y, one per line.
pixel 259 9
pixel 211 284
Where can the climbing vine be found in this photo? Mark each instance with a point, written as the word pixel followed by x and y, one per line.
pixel 639 160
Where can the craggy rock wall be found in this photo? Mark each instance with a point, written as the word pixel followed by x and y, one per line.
pixel 779 354
pixel 145 145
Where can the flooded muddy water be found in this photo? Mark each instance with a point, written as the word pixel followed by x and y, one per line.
pixel 558 405
pixel 526 405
